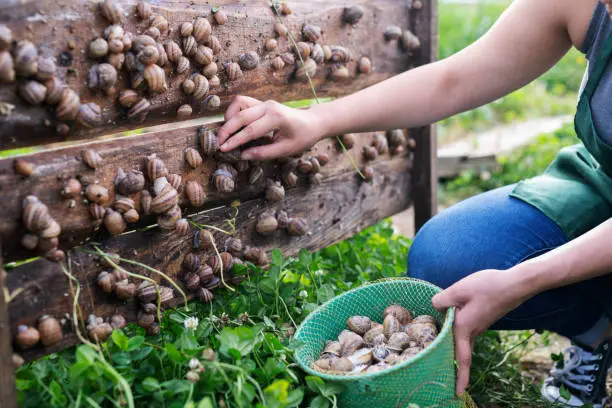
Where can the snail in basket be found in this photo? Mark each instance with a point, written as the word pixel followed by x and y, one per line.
pixel 366 346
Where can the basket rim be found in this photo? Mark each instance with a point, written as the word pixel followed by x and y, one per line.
pixel 446 327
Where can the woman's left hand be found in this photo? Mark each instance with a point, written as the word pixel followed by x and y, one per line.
pixel 480 300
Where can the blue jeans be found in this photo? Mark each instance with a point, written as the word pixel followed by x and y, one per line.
pixel 496 231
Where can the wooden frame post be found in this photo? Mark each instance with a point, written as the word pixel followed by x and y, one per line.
pixel 425 178
pixel 8 395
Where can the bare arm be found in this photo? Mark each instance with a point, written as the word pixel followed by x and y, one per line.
pixel 529 38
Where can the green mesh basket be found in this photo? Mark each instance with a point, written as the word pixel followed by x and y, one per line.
pixel 427 380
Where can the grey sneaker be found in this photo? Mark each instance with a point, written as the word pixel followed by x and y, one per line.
pixel 582 374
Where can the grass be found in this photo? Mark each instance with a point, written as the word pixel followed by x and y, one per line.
pixel 552 94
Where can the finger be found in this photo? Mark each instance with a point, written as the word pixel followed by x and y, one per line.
pixel 255 130
pixel 240 120
pixel 443 300
pixel 268 152
pixel 463 350
pixel 240 103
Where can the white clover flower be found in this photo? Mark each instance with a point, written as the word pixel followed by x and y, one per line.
pixel 319 272
pixel 303 294
pixel 194 364
pixel 191 323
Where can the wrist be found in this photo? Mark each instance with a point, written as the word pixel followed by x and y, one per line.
pixel 319 117
pixel 532 277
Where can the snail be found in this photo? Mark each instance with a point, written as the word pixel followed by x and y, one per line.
pixel 153 330
pixel 148 55
pixel 114 32
pixel 52 231
pixel 305 166
pixel 224 181
pixel 116 60
pixel 188 86
pixel 391 325
pixel 317 54
pixel 193 158
pixel 233 71
pixel 380 353
pixel 54 90
pixel 25 58
pixel 220 17
pixel 332 349
pixel 62 129
pixel 168 220
pixel 234 246
pixel 297 227
pixel 339 54
pixel 131 216
pixel 146 292
pixel 55 255
pixel 208 141
pixel 266 224
pixel 393 33
pixel 278 64
pixel 215 264
pixel 410 42
pixel 248 61
pixel 165 199
pixel 308 69
pixel 191 262
pixel 410 352
pixel 210 70
pixel 215 45
pixel 155 78
pixel 204 240
pixel 97 211
pixel 33 92
pixel 192 280
pixel 186 29
pixel 143 10
pixel 370 153
pixel 123 204
pixel 256 255
pixel 156 168
pixel 304 49
pixel 182 65
pixel 36 217
pixel 398 342
pixel 281 29
pixel 425 319
pixel 227 260
pixel 130 182
pixel 350 342
pixel 271 44
pixel 212 102
pixel 372 336
pixel 203 55
pixel 106 281
pixel 283 219
pixel 98 330
pixel 173 51
pixel 380 143
pixel 401 314
pixel 352 15
pixel 125 290
pixel 205 295
pixel 50 331
pixel 141 109
pixel 24 167
pixel 89 115
pixel 206 274
pixel 46 69
pixel 201 87
pixel 71 189
pixel 29 241
pixel 102 76
pixel 417 4
pixel 7 70
pixel 145 320
pixel 195 193
pixel 359 324
pixel 290 179
pixel 112 11
pixel 202 30
pixel 288 58
pixel 361 357
pixel 339 73
pixel 142 41
pixel 159 22
pixel 6 37
pixel 115 46
pixel 327 52
pixel 364 66
pixel 311 33
pixel 68 106
pixel 368 173
pixel 153 32
pixel 27 337
pixel 190 46
pixel 97 194
pixel 114 222
pixel 316 166
pixel 275 191
pixel 118 322
pixel 184 111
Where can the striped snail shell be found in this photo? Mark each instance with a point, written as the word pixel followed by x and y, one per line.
pixel 202 30
pixel 195 193
pixel 52 231
pixel 201 86
pixel 131 216
pixel 283 219
pixel 224 181
pixel 182 66
pixel 167 220
pixel 192 280
pixel 97 194
pixel 205 295
pixel 215 264
pixel 175 181
pixel 206 274
pixel 155 77
pixel 210 70
pixel 123 204
pixel 256 255
pixel 36 215
pixel 203 55
pixel 96 211
pixel 173 51
pixel 191 262
pixel 208 141
pixel 114 222
pixel 234 246
pixel 298 227
pixel 156 168
pixel 190 46
pixel 193 157
pixel 227 260
pixel 165 201
pixel 7 68
pixel 233 71
pixel 68 106
pixel 130 182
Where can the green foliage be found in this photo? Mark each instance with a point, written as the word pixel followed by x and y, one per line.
pixel 249 331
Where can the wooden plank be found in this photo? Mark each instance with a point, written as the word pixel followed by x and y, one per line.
pixel 338 208
pixel 56 166
pixel 425 187
pixel 52 24
pixel 8 396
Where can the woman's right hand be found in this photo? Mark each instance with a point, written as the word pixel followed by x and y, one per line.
pixel 247 119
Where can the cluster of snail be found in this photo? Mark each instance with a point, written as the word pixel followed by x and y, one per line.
pixel 367 346
pixel 43 230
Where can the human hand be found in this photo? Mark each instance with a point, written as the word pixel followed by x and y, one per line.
pixel 247 119
pixel 480 300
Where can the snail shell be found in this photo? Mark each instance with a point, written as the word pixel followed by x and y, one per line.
pixel 25 57
pixel 141 109
pixel 275 192
pixel 190 46
pixel 186 29
pixel 332 348
pixel 291 179
pixel 317 54
pixel 340 54
pixel 364 66
pixel 341 365
pixel 33 92
pixel 130 182
pixel 348 140
pixel 52 231
pixel 234 246
pixel 145 320
pixel 202 30
pixel 142 41
pixel 131 62
pixel 182 226
pixel 123 204
pixel 203 55
pixel 271 44
pixel 156 168
pixel 368 173
pixel 114 32
pixel 188 86
pixel 323 158
pixel 401 314
pixel 304 49
pixel 316 166
pixel 182 66
pixel 309 69
pixel 118 322
pixel 69 105
pixel 220 17
pixel 421 332
pixel 7 70
pixel 283 219
pixel 297 227
pixel 153 32
pixel 362 357
pixel 353 14
pixel 116 60
pixel 410 353
pixel 27 337
pixel 90 115
pixel 97 211
pixel 324 364
pixel 144 10
pixel 71 189
pixel 97 194
pixel 191 262
pixel 184 111
pixel 102 76
pixel 399 341
pixel 106 281
pixel 281 30
pixel 24 167
pixel 55 255
pixel 370 153
pixel 278 64
pixel 215 264
pixel 256 255
pixel 393 33
pixel 206 274
pixel 339 73
pixel 112 11
pixel 36 215
pixel 114 222
pixel 192 280
pixel 145 202
pixel 205 295
pixel 350 342
pixel 425 319
pixel 215 45
pixel 50 331
pixel 165 201
pixel 46 68
pixel 327 52
pixel 410 42
pixel 233 71
pixel 146 292
pixel 193 158
pixel 391 325
pixel 227 260
pixel 115 46
pixel 311 33
pixel 62 129
pixel 29 241
pixel 380 353
pixel 204 240
pixel 380 143
pixel 371 335
pixel 148 55
pixel 195 194
pixel 159 22
pixel 155 77
pixel 305 166
pixel 168 220
pixel 201 87
pixel 208 141
pixel 266 224
pixel 173 51
pixel 212 102
pixel 98 48
pixel 248 61
pixel 210 70
pixel 359 324
pixel 6 37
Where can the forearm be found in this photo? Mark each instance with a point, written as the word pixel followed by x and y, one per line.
pixel 586 257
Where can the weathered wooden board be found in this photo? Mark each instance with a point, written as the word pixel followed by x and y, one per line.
pixel 338 208
pixel 7 370
pixel 53 24
pixel 55 166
